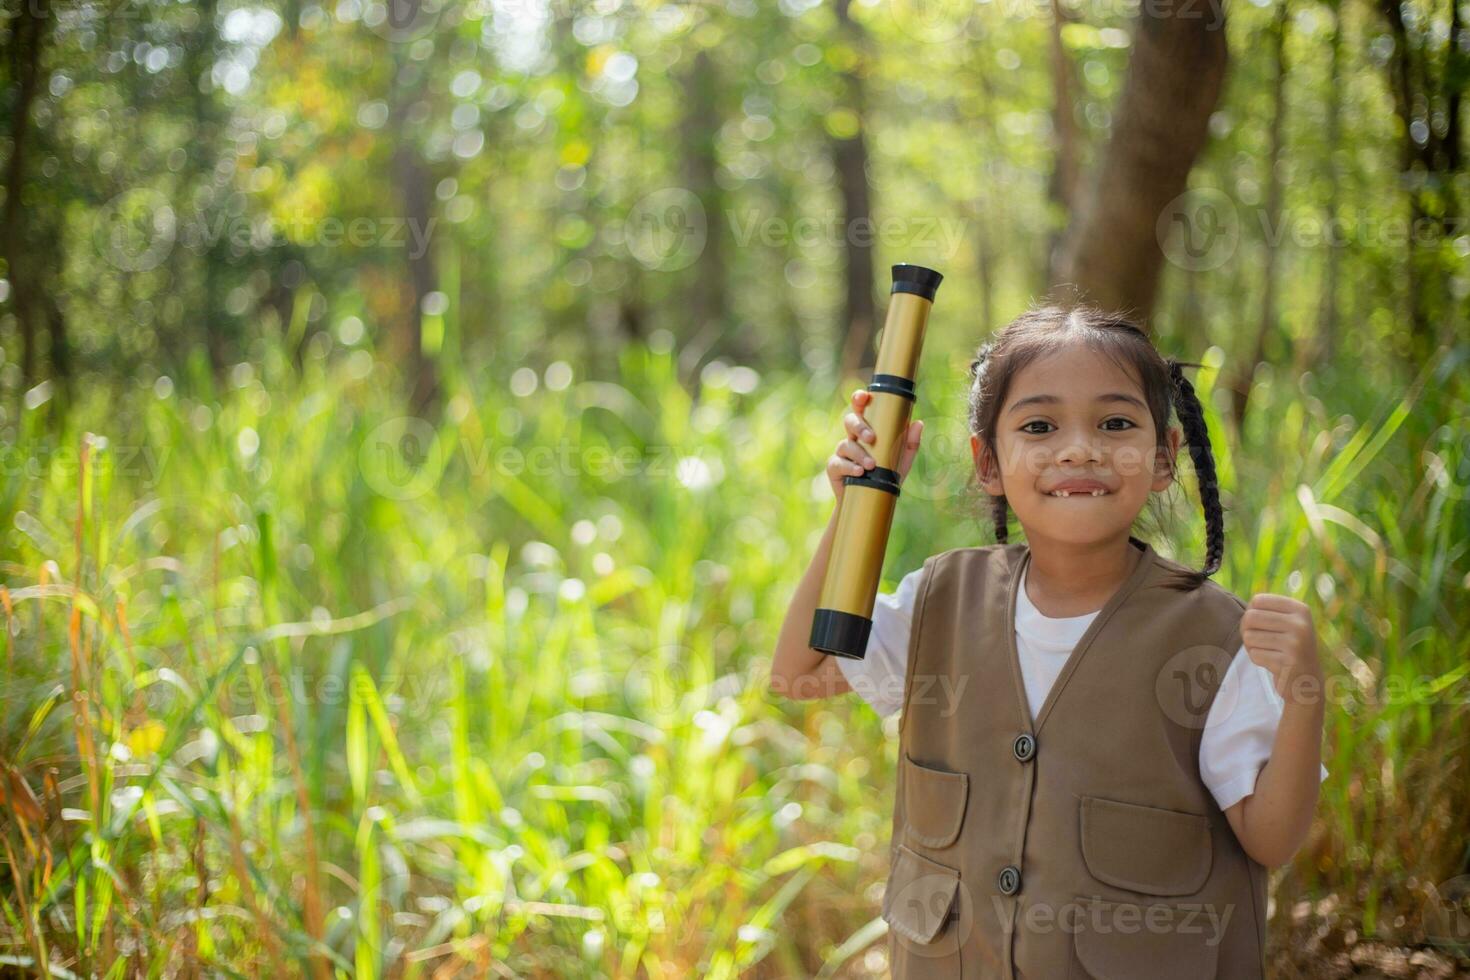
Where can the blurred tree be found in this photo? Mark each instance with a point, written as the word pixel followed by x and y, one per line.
pixel 1428 71
pixel 1326 339
pixel 850 158
pixel 1240 383
pixel 407 104
pixel 707 301
pixel 1066 171
pixel 1111 250
pixel 34 307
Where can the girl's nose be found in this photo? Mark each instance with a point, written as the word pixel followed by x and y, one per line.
pixel 1079 451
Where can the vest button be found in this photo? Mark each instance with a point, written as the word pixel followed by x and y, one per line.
pixel 1009 880
pixel 1024 746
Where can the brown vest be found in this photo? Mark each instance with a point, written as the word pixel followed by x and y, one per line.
pixel 1085 844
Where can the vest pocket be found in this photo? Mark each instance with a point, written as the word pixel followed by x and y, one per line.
pixel 1145 848
pixel 1120 941
pixel 921 907
pixel 934 803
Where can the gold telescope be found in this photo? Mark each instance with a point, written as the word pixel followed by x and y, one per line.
pixel 844 616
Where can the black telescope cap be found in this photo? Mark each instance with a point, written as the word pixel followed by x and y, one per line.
pixel 916 279
pixel 841 634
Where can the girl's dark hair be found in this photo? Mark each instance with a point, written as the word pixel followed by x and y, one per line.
pixel 1047 329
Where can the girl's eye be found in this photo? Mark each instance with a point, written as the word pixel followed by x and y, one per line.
pixel 1124 425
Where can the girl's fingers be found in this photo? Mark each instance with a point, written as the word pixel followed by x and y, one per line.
pixel 1270 620
pixel 851 451
pixel 839 467
pixel 1264 640
pixel 857 429
pixel 1277 603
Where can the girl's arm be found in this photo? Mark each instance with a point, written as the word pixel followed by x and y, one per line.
pixel 1273 822
pixel 798 671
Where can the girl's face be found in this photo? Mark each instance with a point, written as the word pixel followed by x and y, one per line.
pixel 1077 449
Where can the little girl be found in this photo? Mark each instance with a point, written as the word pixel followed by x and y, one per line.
pixel 1101 751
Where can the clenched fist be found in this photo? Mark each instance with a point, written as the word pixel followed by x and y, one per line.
pixel 1278 634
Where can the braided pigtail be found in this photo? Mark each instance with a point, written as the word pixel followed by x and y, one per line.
pixel 1000 510
pixel 1197 438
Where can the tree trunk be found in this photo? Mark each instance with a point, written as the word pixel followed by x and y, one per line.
pixel 709 302
pixel 984 201
pixel 1062 188
pixel 1327 311
pixel 28 40
pixel 220 337
pixel 1430 163
pixel 1241 383
pixel 850 156
pixel 412 178
pixel 1112 250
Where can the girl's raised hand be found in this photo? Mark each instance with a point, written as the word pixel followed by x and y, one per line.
pixel 852 458
pixel 1278 634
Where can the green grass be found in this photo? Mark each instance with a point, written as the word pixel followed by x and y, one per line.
pixel 296 682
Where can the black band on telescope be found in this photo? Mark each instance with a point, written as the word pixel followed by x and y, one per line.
pixel 915 279
pixel 893 384
pixel 840 633
pixel 878 478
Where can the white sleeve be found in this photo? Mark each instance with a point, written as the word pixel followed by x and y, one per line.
pixel 878 678
pixel 1240 731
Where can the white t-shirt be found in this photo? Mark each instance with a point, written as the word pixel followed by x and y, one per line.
pixel 1239 730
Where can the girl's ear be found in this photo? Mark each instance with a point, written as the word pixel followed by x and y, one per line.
pixel 985 467
pixel 1165 458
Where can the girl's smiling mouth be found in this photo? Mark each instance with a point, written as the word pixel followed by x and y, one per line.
pixel 1068 488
